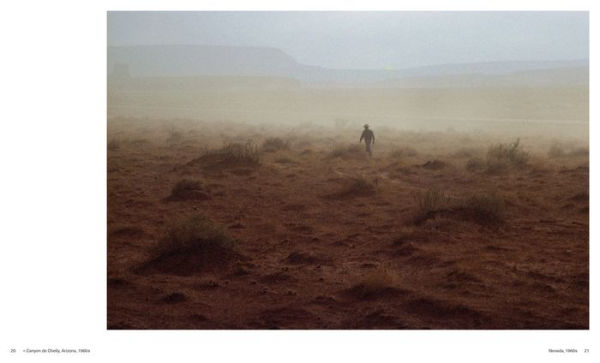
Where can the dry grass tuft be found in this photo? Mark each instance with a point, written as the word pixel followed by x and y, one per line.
pixel 190 246
pixel 356 187
pixel 430 201
pixel 229 156
pixel 485 208
pixel 245 154
pixel 188 189
pixel 194 234
pixel 502 156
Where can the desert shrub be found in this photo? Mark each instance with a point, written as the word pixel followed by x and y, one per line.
pixel 485 207
pixel 273 144
pixel 230 155
pixel 482 208
pixel 556 151
pixel 346 151
pixel 431 200
pixel 114 144
pixel 356 187
pixel 377 282
pixel 187 189
pixel 194 234
pixel 475 164
pixel 507 154
pixel 241 153
pixel 403 152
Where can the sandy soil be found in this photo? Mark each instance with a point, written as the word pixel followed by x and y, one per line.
pixel 313 253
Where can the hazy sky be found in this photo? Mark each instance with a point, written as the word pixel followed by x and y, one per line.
pixel 362 40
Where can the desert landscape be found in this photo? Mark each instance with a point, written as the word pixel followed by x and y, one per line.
pixel 239 195
pixel 234 226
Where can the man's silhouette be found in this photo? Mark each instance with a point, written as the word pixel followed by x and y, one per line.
pixel 369 137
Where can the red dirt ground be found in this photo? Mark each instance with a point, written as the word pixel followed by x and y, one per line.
pixel 312 257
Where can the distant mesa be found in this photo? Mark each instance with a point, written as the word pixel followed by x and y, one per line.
pixel 201 61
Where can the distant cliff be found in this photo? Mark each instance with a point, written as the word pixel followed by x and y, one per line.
pixel 205 60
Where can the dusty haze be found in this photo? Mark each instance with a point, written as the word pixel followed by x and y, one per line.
pixel 470 71
pixel 240 197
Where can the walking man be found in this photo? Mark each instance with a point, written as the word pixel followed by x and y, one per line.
pixel 369 137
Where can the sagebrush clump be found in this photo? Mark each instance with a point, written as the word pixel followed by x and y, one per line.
pixel 429 201
pixel 506 155
pixel 193 234
pixel 187 189
pixel 192 245
pixel 230 155
pixel 355 187
pixel 484 208
pixel 241 153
